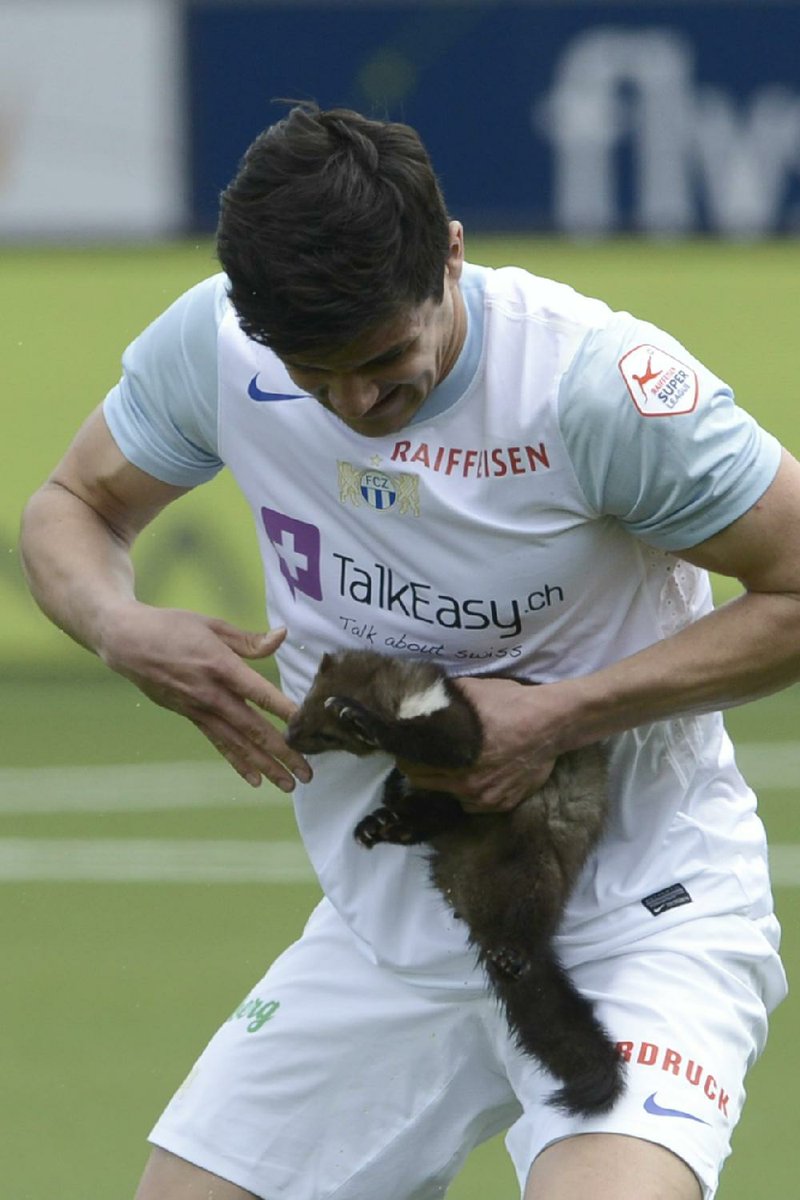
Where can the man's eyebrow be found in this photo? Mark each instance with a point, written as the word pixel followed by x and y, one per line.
pixel 392 352
pixel 384 356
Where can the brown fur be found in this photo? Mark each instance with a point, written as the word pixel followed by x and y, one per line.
pixel 507 875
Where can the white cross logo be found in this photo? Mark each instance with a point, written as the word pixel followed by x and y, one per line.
pixel 293 559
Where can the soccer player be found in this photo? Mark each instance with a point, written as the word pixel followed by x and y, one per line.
pixel 487 469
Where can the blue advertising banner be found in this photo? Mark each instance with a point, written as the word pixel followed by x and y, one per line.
pixel 579 117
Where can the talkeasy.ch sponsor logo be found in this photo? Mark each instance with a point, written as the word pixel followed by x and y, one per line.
pixel 377 587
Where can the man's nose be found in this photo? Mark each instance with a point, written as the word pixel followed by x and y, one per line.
pixel 352 395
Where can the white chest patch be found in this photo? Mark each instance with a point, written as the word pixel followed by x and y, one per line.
pixel 422 704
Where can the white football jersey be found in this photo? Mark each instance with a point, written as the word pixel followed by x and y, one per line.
pixel 522 522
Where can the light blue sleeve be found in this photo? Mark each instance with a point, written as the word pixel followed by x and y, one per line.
pixel 163 412
pixel 672 477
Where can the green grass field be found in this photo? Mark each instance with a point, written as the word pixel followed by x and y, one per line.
pixel 112 987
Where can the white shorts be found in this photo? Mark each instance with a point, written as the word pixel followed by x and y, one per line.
pixel 338 1078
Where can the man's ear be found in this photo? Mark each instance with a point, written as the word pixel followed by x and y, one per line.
pixel 455 257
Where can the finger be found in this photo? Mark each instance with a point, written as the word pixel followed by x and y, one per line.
pixel 263 693
pixel 247 759
pixel 431 778
pixel 270 742
pixel 502 793
pixel 491 804
pixel 248 644
pixel 226 745
pixel 246 683
pixel 260 736
pixel 475 810
pixel 477 792
pixel 227 700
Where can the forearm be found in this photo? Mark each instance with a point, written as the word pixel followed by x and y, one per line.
pixel 747 649
pixel 744 650
pixel 78 568
pixel 77 533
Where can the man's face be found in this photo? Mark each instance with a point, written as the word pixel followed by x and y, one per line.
pixel 377 383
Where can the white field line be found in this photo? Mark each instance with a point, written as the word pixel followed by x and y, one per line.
pixel 138 860
pixel 144 860
pixel 129 787
pixel 774 765
pixel 784 864
pixel 163 786
pixel 150 787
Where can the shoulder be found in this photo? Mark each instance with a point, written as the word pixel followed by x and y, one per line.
pixel 529 314
pixel 656 437
pixel 632 367
pixel 189 319
pixel 177 353
pixel 163 411
pixel 519 293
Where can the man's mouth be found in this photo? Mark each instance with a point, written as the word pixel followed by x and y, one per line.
pixel 386 403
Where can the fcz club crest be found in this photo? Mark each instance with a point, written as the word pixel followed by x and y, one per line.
pixel 380 490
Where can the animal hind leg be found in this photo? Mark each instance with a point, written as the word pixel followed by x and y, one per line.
pixel 407 816
pixel 385 825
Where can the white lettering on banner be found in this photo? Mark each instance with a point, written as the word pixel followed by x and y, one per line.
pixel 691 143
pixel 746 161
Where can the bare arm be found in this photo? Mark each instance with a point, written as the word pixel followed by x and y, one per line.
pixel 77 533
pixel 743 650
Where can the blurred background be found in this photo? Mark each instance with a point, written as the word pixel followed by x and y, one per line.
pixel 648 153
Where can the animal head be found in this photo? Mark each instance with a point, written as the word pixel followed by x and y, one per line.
pixel 328 720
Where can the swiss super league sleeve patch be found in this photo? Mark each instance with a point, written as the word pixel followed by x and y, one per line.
pixel 660 385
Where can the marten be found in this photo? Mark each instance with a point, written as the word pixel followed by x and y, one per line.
pixel 507 875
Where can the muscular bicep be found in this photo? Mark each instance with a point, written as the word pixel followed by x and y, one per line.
pixel 96 471
pixel 761 548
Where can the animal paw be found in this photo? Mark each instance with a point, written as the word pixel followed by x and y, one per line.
pixel 507 962
pixel 383 825
pixel 355 717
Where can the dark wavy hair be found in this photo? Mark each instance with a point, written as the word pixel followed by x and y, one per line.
pixel 333 225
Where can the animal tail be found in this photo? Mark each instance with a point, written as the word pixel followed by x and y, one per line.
pixel 556 1024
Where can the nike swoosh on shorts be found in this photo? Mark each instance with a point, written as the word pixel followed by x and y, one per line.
pixel 654 1108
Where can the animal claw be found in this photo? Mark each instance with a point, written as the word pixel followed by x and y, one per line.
pixel 508 962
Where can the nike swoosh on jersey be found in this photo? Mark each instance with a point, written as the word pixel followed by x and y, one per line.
pixel 255 393
pixel 654 1108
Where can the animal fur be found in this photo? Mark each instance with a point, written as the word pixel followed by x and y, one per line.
pixel 507 875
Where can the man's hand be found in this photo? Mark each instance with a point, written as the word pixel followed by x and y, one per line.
pixel 195 666
pixel 518 751
pixel 78 529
